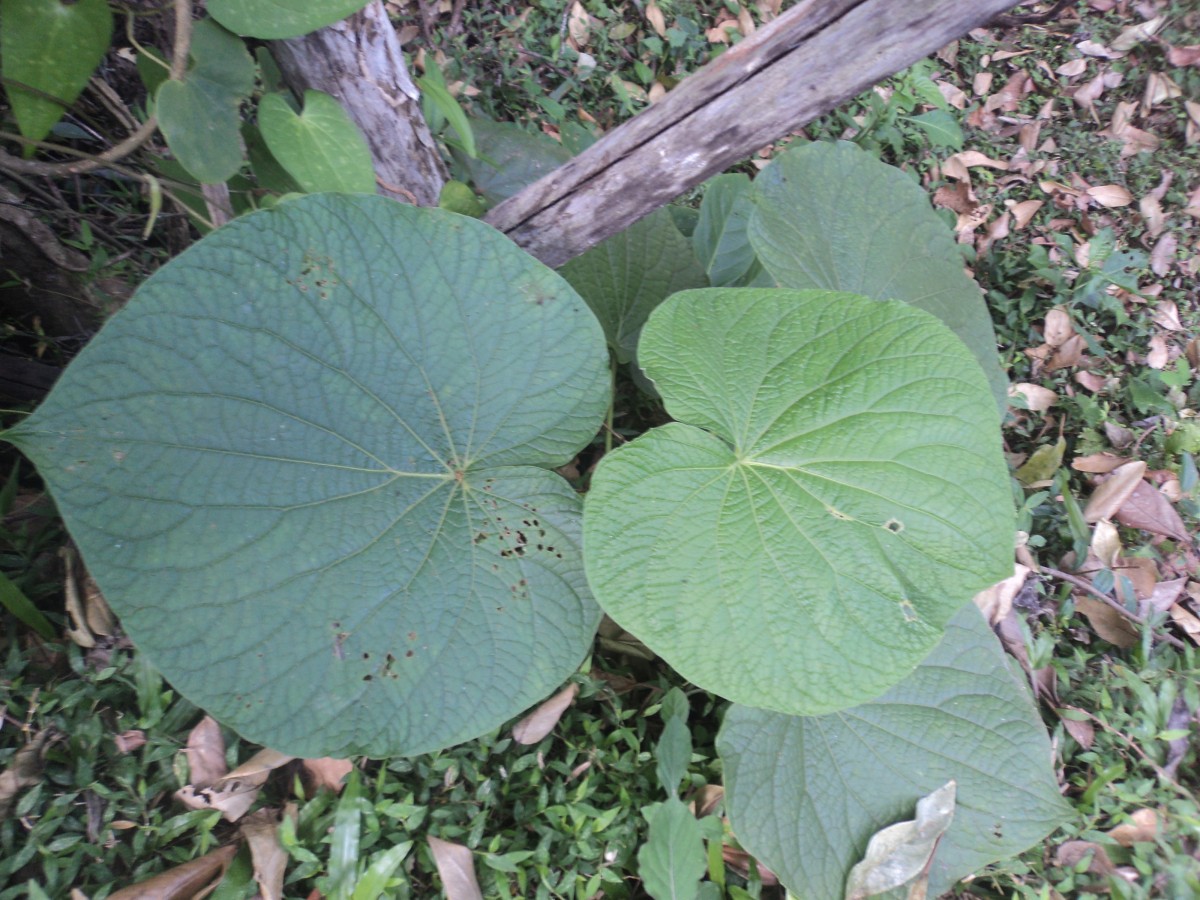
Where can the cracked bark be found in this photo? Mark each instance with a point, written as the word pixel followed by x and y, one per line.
pixel 806 62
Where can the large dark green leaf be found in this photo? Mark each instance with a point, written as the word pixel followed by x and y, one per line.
pixel 831 216
pixel 720 240
pixel 274 19
pixel 835 495
pixel 308 463
pixel 805 794
pixel 626 276
pixel 48 51
pixel 509 158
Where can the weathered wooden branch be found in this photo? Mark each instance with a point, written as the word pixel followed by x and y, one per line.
pixel 817 55
pixel 358 61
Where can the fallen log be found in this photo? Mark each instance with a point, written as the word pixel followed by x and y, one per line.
pixel 805 63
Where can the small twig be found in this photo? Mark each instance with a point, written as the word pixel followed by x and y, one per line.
pixel 1158 770
pixel 1084 585
pixel 179 60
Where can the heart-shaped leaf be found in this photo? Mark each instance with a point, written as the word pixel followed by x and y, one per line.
pixel 625 277
pixel 199 115
pixel 307 465
pixel 321 148
pixel 48 51
pixel 805 794
pixel 720 240
pixel 833 217
pixel 802 549
pixel 280 18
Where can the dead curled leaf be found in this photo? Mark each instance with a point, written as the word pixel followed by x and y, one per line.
pixel 1141 827
pixel 1107 622
pixel 182 882
pixel 542 720
pixel 996 602
pixel 24 771
pixel 326 773
pixel 456 866
pixel 261 831
pixel 1108 497
pixel 1070 854
pixel 206 754
pixel 1146 508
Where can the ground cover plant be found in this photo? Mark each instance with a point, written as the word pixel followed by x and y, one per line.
pixel 730 245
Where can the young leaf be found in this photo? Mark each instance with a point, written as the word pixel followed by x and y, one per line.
pixel 794 783
pixel 321 148
pixel 672 861
pixel 48 51
pixel 941 128
pixel 280 18
pixel 672 754
pixel 199 115
pixel 309 466
pixel 625 277
pixel 720 240
pixel 833 217
pixel 837 492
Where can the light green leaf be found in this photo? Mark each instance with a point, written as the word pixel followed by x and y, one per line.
pixel 672 861
pixel 843 493
pixel 321 148
pixel 672 754
pixel 510 158
pixel 199 115
pixel 625 277
pixel 720 240
pixel 275 19
pixel 941 127
pixel 831 216
pixel 805 794
pixel 48 51
pixel 308 466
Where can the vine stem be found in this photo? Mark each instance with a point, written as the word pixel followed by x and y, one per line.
pixel 179 60
pixel 1084 585
pixel 612 403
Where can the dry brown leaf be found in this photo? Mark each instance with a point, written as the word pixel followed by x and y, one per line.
pixel 1024 212
pixel 1159 89
pixel 542 720
pixel 1159 354
pixel 128 741
pixel 655 17
pixel 1091 381
pixel 982 83
pixel 1165 594
pixel 1093 48
pixel 579 25
pixel 973 158
pixel 1083 732
pixel 1192 131
pixel 1098 463
pixel 1141 828
pixel 1107 622
pixel 954 95
pixel 1192 352
pixel 1069 354
pixel 1058 327
pixel 1184 56
pixel 1146 508
pixel 233 800
pixel 1106 543
pixel 705 800
pixel 1166 315
pixel 1118 435
pixel 996 602
pixel 326 773
pixel 1141 572
pixel 182 882
pixel 1073 68
pixel 261 763
pixel 24 771
pixel 206 754
pixel 1133 35
pixel 261 831
pixel 957 196
pixel 1135 140
pixel 1036 397
pixel 1162 257
pixel 1072 853
pixel 1109 496
pixel 739 861
pixel 456 866
pixel 997 229
pixel 1186 621
pixel 1110 195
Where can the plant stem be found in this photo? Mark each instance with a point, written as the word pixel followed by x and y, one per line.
pixel 1084 585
